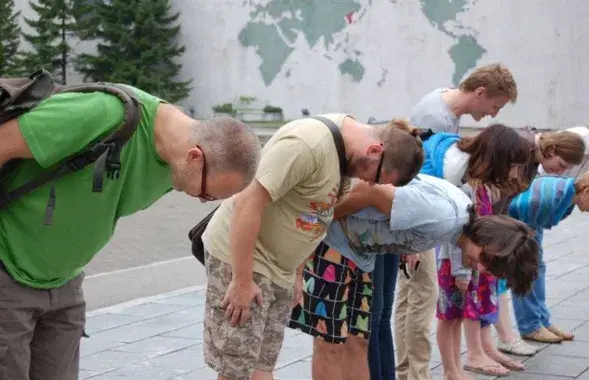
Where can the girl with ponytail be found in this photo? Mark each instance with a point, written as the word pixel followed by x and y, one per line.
pixel 485 167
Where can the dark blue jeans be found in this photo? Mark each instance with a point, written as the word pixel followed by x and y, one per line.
pixel 381 349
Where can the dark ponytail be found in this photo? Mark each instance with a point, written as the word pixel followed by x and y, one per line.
pixel 472 218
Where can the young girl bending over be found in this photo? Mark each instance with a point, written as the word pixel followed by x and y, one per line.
pixel 564 153
pixel 460 299
pixel 544 205
pixel 492 159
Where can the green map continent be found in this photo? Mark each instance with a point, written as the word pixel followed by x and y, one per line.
pixel 352 67
pixel 274 26
pixel 466 51
pixel 269 45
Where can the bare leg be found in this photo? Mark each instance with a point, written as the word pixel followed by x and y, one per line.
pixel 457 334
pixel 354 365
pixel 503 324
pixel 445 336
pixel 476 356
pixel 509 340
pixel 327 360
pixel 262 375
pixel 491 350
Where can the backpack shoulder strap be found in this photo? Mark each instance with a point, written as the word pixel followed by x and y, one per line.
pixel 339 145
pixel 20 96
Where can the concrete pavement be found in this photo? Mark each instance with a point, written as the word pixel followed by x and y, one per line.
pixel 149 253
pixel 160 338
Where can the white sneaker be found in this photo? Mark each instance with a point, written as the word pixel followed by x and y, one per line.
pixel 517 347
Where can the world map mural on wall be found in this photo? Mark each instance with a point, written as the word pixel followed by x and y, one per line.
pixel 275 25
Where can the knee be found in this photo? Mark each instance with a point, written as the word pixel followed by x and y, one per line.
pixel 327 352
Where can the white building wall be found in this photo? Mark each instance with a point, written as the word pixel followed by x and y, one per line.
pixel 378 57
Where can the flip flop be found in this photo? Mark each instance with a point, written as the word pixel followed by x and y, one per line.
pixel 490 370
pixel 512 365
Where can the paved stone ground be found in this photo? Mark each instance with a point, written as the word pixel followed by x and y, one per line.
pixel 161 338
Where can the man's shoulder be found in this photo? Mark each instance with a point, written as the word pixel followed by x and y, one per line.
pixel 429 187
pixel 310 132
pixel 433 96
pixel 432 112
pixel 142 95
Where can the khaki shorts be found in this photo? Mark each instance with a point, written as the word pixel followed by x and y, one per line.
pixel 236 352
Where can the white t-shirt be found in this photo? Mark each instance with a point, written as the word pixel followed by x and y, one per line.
pixel 455 165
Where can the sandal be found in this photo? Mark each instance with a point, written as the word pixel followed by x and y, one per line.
pixel 565 335
pixel 512 365
pixel 543 335
pixel 490 370
pixel 517 347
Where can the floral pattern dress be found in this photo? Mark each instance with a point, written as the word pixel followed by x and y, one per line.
pixel 480 298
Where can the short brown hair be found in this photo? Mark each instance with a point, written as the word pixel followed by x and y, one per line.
pixel 567 145
pixel 495 78
pixel 229 144
pixel 492 152
pixel 510 250
pixel 403 149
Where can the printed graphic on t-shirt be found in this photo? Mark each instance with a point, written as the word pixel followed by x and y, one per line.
pixel 319 217
pixel 378 238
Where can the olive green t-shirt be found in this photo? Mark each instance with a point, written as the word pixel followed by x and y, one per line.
pixel 300 170
pixel 47 256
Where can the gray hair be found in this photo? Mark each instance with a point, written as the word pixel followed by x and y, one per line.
pixel 229 145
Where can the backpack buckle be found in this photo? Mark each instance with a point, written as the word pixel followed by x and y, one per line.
pixel 113 161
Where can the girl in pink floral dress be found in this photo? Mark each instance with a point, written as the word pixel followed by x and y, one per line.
pixel 465 300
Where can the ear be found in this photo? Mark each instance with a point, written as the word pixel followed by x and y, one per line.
pixel 374 149
pixel 480 92
pixel 550 151
pixel 194 154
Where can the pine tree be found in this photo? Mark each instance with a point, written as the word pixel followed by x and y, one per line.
pixel 10 39
pixel 50 46
pixel 137 46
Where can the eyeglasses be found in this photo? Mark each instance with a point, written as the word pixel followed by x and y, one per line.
pixel 203 181
pixel 379 168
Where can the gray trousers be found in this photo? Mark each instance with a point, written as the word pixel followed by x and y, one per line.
pixel 40 330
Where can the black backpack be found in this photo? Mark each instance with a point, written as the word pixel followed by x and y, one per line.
pixel 19 95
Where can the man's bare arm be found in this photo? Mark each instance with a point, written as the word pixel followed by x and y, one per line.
pixel 382 198
pixel 245 227
pixel 12 143
pixel 350 203
pixel 364 195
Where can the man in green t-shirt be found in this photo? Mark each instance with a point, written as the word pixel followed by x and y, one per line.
pixel 42 308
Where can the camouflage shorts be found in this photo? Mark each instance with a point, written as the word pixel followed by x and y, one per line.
pixel 236 352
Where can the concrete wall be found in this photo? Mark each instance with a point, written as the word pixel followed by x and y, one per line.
pixel 378 57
